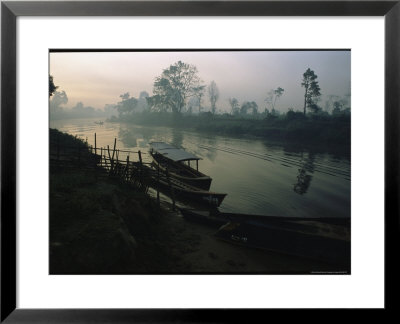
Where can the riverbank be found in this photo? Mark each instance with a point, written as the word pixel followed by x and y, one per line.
pixel 99 225
pixel 324 133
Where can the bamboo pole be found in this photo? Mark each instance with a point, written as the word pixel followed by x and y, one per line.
pixel 126 169
pixel 140 168
pixel 171 189
pixel 111 159
pixel 95 144
pixel 115 145
pixel 58 147
pixel 158 184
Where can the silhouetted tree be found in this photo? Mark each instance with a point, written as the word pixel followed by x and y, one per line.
pixel 176 83
pixel 58 99
pixel 142 101
pixel 312 89
pixel 52 86
pixel 273 95
pixel 199 93
pixel 249 106
pixel 213 93
pixel 234 106
pixel 127 105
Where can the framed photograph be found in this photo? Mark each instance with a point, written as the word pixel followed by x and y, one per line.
pixel 155 153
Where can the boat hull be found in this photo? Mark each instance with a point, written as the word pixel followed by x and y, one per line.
pixel 182 172
pixel 178 190
pixel 325 239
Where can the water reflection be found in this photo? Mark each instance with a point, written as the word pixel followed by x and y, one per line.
pixel 127 137
pixel 177 137
pixel 304 179
pixel 259 177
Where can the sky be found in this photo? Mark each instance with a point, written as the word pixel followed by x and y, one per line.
pixel 99 78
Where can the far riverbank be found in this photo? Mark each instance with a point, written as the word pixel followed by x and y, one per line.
pixel 325 133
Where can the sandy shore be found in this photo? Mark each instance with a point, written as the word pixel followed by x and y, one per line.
pixel 195 249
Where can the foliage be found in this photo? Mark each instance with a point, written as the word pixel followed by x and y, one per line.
pixel 249 107
pixel 273 95
pixel 312 90
pixel 52 86
pixel 58 99
pixel 127 105
pixel 175 85
pixel 213 93
pixel 235 108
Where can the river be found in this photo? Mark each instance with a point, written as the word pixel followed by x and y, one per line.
pixel 259 177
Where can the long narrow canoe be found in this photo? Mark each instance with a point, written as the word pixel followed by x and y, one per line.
pixel 325 239
pixel 169 157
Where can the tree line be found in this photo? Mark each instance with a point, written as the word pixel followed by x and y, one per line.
pixel 180 90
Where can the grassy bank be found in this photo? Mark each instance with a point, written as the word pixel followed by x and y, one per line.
pixel 98 224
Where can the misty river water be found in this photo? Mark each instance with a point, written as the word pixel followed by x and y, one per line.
pixel 259 177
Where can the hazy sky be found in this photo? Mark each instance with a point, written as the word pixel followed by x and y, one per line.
pixel 99 78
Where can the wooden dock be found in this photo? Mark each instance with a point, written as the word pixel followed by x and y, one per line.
pixel 130 167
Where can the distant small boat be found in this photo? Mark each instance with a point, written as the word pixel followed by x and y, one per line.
pixel 325 239
pixel 169 157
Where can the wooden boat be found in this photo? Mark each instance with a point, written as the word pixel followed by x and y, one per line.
pixel 172 158
pixel 177 189
pixel 214 216
pixel 325 239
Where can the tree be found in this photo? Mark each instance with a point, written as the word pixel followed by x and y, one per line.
pixel 199 93
pixel 127 105
pixel 234 106
pixel 52 86
pixel 58 99
pixel 312 89
pixel 273 95
pixel 213 93
pixel 249 106
pixel 175 85
pixel 142 101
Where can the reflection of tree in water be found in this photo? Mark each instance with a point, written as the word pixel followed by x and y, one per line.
pixel 177 137
pixel 304 179
pixel 147 133
pixel 135 137
pixel 207 146
pixel 128 137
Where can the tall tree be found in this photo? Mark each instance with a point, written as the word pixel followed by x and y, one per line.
pixel 199 93
pixel 175 85
pixel 213 93
pixel 312 89
pixel 273 95
pixel 235 108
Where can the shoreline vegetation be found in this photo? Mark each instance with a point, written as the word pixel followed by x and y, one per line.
pixel 99 225
pixel 180 99
pixel 330 133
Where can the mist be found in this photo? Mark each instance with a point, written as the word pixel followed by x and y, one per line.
pixel 97 80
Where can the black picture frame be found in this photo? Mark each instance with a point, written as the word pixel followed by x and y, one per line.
pixel 10 10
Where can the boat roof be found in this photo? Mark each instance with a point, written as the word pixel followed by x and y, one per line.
pixel 173 153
